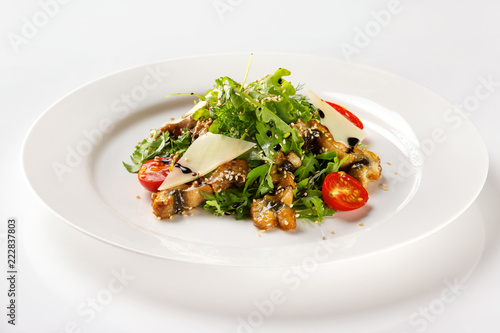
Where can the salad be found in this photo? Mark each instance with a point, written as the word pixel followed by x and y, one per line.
pixel 258 150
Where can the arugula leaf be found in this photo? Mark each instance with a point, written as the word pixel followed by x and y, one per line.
pixel 157 144
pixel 231 201
pixel 259 179
pixel 308 167
pixel 154 145
pixel 311 206
pixel 181 144
pixel 271 140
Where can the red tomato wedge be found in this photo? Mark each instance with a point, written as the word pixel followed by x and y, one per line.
pixel 153 173
pixel 348 114
pixel 343 192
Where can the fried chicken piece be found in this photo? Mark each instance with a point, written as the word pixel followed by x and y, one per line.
pixel 273 211
pixel 186 197
pixel 176 128
pixel 200 128
pixel 361 164
pixel 285 166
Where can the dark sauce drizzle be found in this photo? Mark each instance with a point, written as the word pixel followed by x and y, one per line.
pixel 352 142
pixel 183 168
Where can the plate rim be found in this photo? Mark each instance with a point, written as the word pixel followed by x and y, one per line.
pixel 240 54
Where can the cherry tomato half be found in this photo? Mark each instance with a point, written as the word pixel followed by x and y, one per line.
pixel 153 173
pixel 348 114
pixel 343 192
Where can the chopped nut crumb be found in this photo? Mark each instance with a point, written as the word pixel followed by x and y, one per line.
pixel 323 238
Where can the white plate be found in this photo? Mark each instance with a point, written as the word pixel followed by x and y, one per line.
pixel 434 162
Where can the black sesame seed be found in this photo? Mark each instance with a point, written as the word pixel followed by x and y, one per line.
pixel 277 147
pixel 321 113
pixel 269 133
pixel 280 80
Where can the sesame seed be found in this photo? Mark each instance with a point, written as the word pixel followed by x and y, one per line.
pixel 332 232
pixel 361 224
pixel 323 238
pixel 138 196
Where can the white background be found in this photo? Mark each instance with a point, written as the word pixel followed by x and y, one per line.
pixel 50 48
